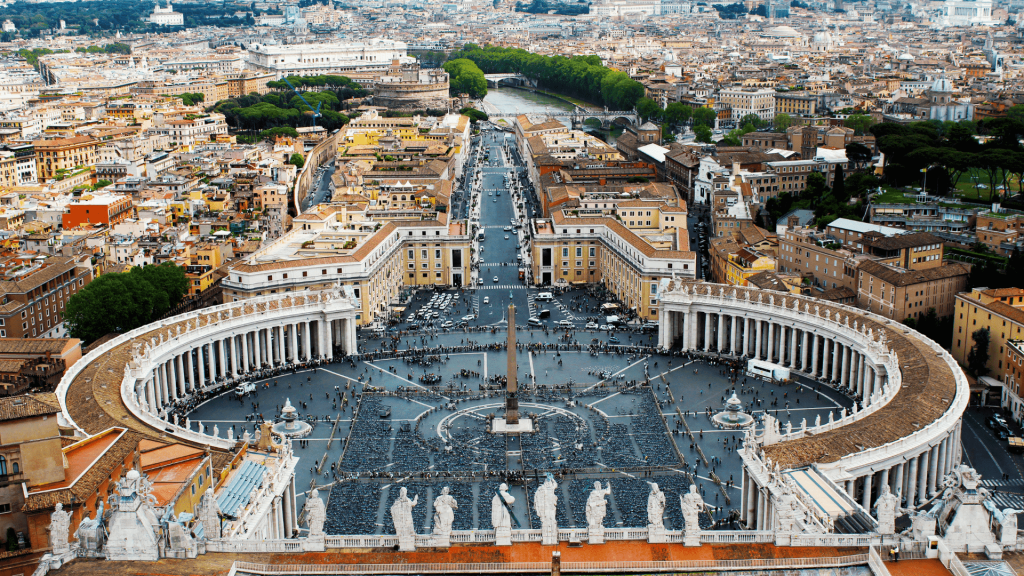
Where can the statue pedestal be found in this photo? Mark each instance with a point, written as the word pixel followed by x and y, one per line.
pixel 595 535
pixel 691 538
pixel 314 543
pixel 549 538
pixel 441 540
pixel 503 536
pixel 407 544
pixel 499 426
pixel 656 534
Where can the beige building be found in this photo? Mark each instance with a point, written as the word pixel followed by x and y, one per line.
pixel 1000 310
pixel 899 293
pixel 337 244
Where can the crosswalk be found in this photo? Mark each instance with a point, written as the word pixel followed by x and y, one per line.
pixel 1008 500
pixel 1000 483
pixel 502 287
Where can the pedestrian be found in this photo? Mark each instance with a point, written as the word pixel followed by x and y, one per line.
pixel 896 552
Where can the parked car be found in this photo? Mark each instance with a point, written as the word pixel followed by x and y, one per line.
pixel 591 325
pixel 613 340
pixel 565 323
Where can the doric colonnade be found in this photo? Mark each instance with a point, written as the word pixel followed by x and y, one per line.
pixel 819 340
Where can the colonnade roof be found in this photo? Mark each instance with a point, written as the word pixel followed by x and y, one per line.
pixel 928 388
pixel 93 398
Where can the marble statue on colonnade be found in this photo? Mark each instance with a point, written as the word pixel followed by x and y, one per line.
pixel 692 505
pixel 501 516
pixel 656 515
pixel 885 508
pixel 597 507
pixel 401 515
pixel 316 514
pixel 444 515
pixel 545 502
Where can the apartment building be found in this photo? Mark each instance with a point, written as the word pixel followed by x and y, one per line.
pixel 796 105
pixel 91 209
pixel 743 101
pixel 899 293
pixel 34 296
pixel 1001 311
pixel 375 258
pixel 1000 231
pixel 1013 378
pixel 577 250
pixel 63 154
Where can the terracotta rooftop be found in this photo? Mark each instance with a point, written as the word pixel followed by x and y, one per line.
pixel 215 564
pixel 28 406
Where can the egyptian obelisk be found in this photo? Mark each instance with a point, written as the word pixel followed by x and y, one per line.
pixel 511 371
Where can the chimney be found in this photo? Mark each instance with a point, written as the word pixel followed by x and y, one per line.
pixel 791 222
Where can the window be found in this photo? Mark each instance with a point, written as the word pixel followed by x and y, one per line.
pixel 5 508
pixel 3 465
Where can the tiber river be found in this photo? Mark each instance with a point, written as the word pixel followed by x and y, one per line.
pixel 524 102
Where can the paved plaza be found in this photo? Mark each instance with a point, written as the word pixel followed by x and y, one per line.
pixel 422 423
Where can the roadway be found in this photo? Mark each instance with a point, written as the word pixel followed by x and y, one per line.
pixel 320 191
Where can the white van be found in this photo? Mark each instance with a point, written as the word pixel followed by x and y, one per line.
pixel 545 297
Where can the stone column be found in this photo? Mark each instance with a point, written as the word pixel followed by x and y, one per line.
pixel 814 356
pixel 734 332
pixel 922 476
pixel 720 337
pixel 806 353
pixel 279 330
pixel 866 498
pixel 760 510
pixel 172 381
pixel 245 352
pixel 151 395
pixel 845 370
pixel 179 366
pixel 771 341
pixel 933 468
pixel 861 364
pixel 293 341
pixel 940 471
pixel 876 372
pixel 189 369
pixel 287 514
pixel 305 340
pixel 794 357
pixel 851 488
pixel 747 335
pixel 201 365
pixel 706 345
pixel 901 482
pixel 883 480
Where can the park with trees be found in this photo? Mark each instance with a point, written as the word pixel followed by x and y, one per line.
pixel 281 111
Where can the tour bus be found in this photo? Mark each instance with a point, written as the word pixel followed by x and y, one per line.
pixel 545 297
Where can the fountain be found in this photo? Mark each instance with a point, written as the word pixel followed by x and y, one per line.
pixel 290 426
pixel 733 417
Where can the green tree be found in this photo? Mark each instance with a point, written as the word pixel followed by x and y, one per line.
pixel 465 77
pixel 977 357
pixel 704 117
pixel 649 109
pixel 839 185
pixel 858 153
pixel 782 122
pixel 702 133
pixel 1016 113
pixel 297 160
pixel 117 303
pixel 677 113
pixel 752 119
pixel 860 123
